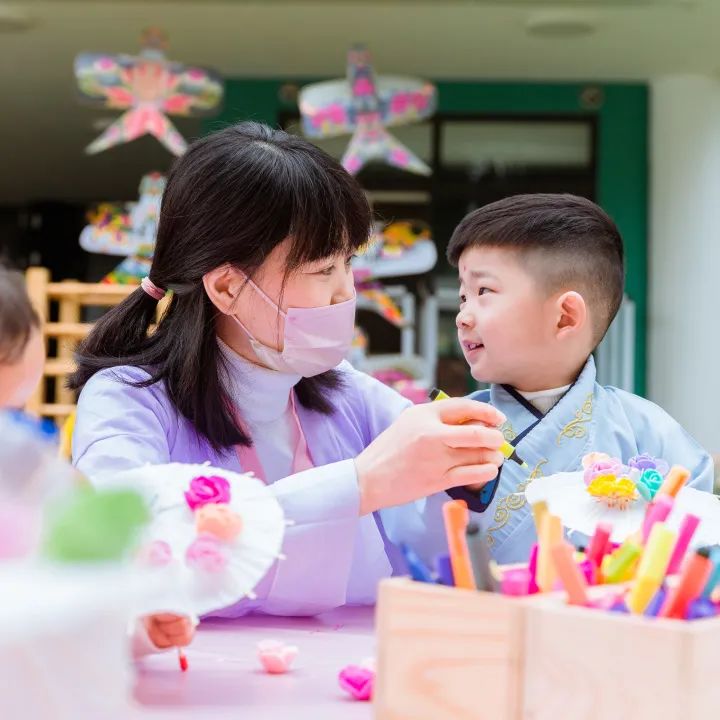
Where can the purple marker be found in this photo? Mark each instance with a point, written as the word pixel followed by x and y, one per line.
pixel 443 568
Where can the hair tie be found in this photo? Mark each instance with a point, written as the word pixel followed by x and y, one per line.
pixel 152 289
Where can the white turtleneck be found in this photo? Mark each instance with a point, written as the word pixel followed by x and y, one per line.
pixel 262 397
pixel 545 400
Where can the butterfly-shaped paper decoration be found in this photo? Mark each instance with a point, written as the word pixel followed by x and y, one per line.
pixel 127 229
pixel 149 88
pixel 366 106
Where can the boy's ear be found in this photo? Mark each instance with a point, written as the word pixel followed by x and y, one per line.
pixel 572 313
pixel 223 286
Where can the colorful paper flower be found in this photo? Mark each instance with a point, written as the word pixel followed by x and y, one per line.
pixel 600 468
pixel 649 483
pixel 358 681
pixel 206 490
pixel 156 554
pixel 207 553
pixel 615 492
pixel 645 461
pixel 218 520
pixel 276 657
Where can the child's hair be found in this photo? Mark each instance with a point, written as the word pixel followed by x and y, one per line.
pixel 231 199
pixel 18 319
pixel 566 242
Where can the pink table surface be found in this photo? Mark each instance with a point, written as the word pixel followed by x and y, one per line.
pixel 225 679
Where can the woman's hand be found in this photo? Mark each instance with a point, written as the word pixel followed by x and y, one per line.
pixel 167 630
pixel 428 449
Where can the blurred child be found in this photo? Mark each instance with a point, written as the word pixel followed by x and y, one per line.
pixel 22 350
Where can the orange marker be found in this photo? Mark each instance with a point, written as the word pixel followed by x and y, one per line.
pixel 563 556
pixel 456 517
pixel 674 481
pixel 695 575
pixel 551 534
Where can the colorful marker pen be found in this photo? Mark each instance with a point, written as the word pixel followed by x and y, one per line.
pixel 652 568
pixel 687 530
pixel 674 481
pixel 506 448
pixel 480 559
pixel 693 579
pixel 600 544
pixel 418 570
pixel 715 574
pixel 551 534
pixel 657 511
pixel 618 567
pixel 456 516
pixel 563 555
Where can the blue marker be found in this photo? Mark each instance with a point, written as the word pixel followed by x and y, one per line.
pixel 418 570
pixel 715 574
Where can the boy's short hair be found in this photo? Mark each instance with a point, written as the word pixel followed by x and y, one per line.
pixel 567 242
pixel 17 316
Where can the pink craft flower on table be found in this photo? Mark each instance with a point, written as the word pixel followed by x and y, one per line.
pixel 205 490
pixel 276 657
pixel 207 553
pixel 156 554
pixel 218 520
pixel 358 681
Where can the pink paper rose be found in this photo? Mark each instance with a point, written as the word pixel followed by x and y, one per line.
pixel 207 553
pixel 602 467
pixel 156 554
pixel 205 490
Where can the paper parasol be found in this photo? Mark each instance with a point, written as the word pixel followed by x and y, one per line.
pixel 208 569
pixel 567 497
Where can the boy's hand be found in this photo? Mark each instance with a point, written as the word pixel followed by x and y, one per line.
pixel 166 630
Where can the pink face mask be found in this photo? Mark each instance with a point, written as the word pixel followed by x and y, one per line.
pixel 315 340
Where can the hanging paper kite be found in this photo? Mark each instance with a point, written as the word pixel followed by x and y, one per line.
pixel 148 87
pixel 127 229
pixel 365 106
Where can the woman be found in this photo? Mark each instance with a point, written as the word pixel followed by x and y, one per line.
pixel 245 369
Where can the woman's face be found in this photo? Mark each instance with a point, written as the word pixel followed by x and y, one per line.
pixel 317 284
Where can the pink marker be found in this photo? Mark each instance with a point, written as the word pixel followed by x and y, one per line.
pixel 532 569
pixel 657 511
pixel 516 582
pixel 600 544
pixel 687 530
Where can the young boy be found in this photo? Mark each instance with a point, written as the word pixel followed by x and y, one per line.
pixel 541 279
pixel 22 351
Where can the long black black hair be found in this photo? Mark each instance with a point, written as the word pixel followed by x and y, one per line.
pixel 231 199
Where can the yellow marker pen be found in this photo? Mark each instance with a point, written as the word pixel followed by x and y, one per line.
pixel 506 448
pixel 652 568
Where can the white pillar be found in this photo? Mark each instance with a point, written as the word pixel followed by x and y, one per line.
pixel 684 254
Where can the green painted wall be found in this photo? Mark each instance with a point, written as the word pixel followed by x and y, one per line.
pixel 622 160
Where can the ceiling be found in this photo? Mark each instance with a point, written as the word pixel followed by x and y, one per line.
pixel 43 128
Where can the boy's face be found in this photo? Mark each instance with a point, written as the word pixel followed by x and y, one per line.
pixel 19 379
pixel 507 326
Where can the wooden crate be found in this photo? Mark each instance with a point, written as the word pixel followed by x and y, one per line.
pixel 447 653
pixel 455 654
pixel 584 663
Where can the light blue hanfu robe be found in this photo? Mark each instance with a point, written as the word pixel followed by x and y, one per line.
pixel 587 418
